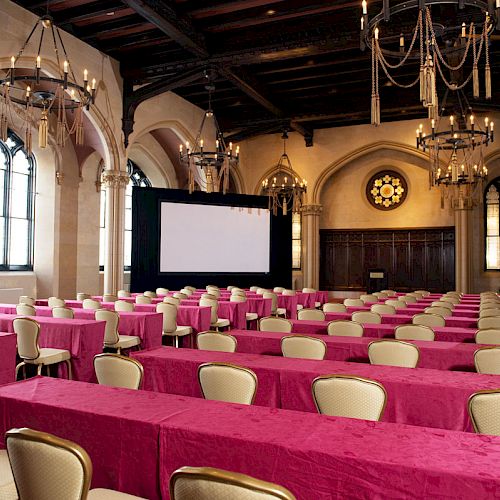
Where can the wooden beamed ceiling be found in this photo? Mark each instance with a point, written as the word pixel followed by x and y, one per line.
pixel 277 63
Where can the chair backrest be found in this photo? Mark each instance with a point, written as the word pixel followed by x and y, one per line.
pixel 27 331
pixel 308 290
pixel 488 322
pixel 484 313
pixel 487 360
pixel 254 288
pixel 368 298
pixel 397 304
pixel 407 299
pixel 63 312
pixel 413 332
pixel 214 305
pixel 188 287
pixel 488 336
pixel 311 314
pixel 451 299
pixel 228 383
pixel 424 293
pixel 237 298
pixel 349 396
pixel 172 300
pixel 186 291
pixel 274 298
pixel 333 307
pixel 239 293
pixel 150 294
pixel 215 287
pixel 484 412
pixel 278 289
pixel 118 371
pixel 124 306
pixel 109 297
pixel 123 293
pixel 143 299
pixel 169 312
pixel 390 293
pixel 206 483
pixel 111 331
pixel 91 304
pixel 46 467
pixel 56 302
pixel 229 288
pixel 428 319
pixel 273 324
pixel 353 303
pixel 345 328
pixel 440 303
pixel 393 353
pixel 383 309
pixel 417 295
pixel 215 341
pixel 24 299
pixel 214 291
pixel 161 291
pixel 208 296
pixel 25 310
pixel 381 295
pixel 288 292
pixel 261 291
pixel 180 296
pixel 442 311
pixel 366 317
pixel 301 346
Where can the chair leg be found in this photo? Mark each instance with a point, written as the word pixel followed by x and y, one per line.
pixel 176 341
pixel 23 364
pixel 39 369
pixel 48 370
pixel 70 372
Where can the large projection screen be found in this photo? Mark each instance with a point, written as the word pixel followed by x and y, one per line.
pixel 239 239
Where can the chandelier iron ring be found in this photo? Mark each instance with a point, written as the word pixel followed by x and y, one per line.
pixel 456 139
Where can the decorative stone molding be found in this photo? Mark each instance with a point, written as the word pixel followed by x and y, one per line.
pixel 311 209
pixel 115 179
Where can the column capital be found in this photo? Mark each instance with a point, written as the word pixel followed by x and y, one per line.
pixel 311 209
pixel 115 178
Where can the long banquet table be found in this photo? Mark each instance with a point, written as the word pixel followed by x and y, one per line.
pixel 82 338
pixel 8 350
pixel 136 439
pixel 420 396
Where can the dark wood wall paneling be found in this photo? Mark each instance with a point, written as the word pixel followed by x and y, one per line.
pixel 412 258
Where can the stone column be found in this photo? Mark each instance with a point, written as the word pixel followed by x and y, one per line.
pixel 310 244
pixel 463 249
pixel 115 182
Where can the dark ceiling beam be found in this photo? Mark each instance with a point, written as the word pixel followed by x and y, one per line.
pixel 164 17
pixel 228 8
pixel 88 12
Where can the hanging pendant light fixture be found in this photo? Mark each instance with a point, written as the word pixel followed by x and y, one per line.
pixel 284 188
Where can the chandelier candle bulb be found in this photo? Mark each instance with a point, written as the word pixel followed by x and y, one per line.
pixel 85 77
pixel 377 31
pixel 37 69
pixel 364 6
pixel 12 65
pixel 464 34
pixel 362 24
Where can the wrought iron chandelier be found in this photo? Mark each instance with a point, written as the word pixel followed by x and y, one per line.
pixel 384 35
pixel 457 141
pixel 30 94
pixel 209 160
pixel 285 190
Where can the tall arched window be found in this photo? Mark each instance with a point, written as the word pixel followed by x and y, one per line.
pixel 137 178
pixel 17 201
pixel 492 224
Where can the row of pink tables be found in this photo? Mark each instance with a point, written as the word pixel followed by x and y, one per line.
pixel 136 439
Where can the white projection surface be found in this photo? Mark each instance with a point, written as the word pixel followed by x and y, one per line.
pixel 214 239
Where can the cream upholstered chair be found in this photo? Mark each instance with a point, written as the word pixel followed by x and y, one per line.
pixel 484 313
pixel 312 290
pixel 229 288
pixel 63 312
pixel 214 291
pixel 186 291
pixel 56 302
pixel 228 383
pixel 172 300
pixel 25 310
pixel 143 299
pixel 488 336
pixel 302 346
pixel 487 360
pixel 397 304
pixel 8 489
pixel 188 287
pixel 334 307
pixel 123 294
pixel 345 328
pixel 118 371
pixel 484 411
pixel 417 295
pixel 150 294
pixel 215 287
pixel 390 293
pixel 349 396
pixel 275 310
pixel 442 311
pixel 206 483
pixel 46 467
pixel 28 331
pixel 278 289
pixel 353 303
pixel 451 299
pixel 488 322
pixel 91 304
pixel 261 291
pixel 366 317
pixel 254 288
pixel 24 299
pixel 216 341
pixel 207 296
pixel 111 336
pixel 215 321
pixel 440 303
pixel 238 293
pixel 170 328
pixel 381 295
pixel 407 299
pixel 413 332
pixel 124 306
pixel 382 309
pixel 274 324
pixel 161 291
pixel 250 316
pixel 180 296
pixel 428 319
pixel 109 297
pixel 368 298
pixel 393 353
pixel 424 293
pixel 311 315
pixel 454 293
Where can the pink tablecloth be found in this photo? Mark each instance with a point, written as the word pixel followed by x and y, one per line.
pixel 83 338
pixel 421 396
pixel 8 351
pixel 390 319
pixel 289 302
pixel 437 355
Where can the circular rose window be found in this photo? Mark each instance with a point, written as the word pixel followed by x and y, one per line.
pixel 386 190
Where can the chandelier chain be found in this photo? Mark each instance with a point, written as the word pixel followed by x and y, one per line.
pixel 391 79
pixel 452 86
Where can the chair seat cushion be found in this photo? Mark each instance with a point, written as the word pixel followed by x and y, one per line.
pixel 49 356
pixel 281 311
pixel 317 304
pixel 126 341
pixel 252 316
pixel 180 331
pixel 102 494
pixel 299 307
pixel 7 486
pixel 221 323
